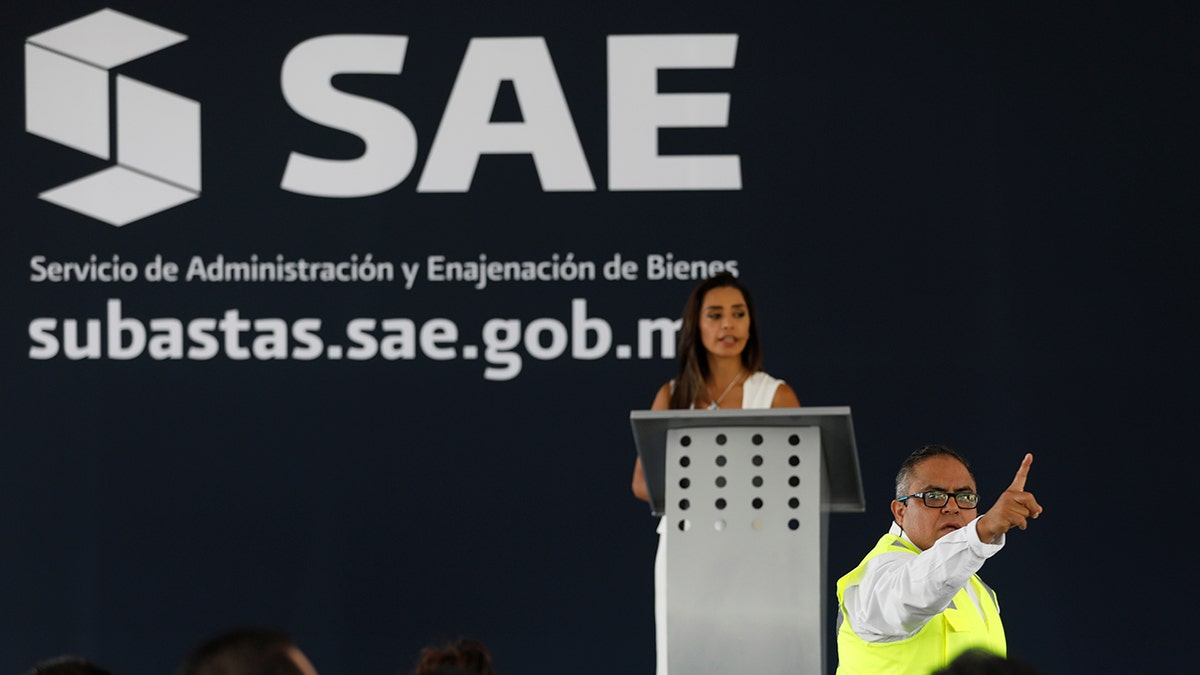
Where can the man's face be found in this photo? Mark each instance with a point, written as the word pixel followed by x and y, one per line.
pixel 925 525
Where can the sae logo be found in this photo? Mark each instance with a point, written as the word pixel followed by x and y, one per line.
pixel 156 145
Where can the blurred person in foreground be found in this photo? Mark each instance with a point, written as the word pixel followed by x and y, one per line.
pixel 982 662
pixel 67 665
pixel 247 651
pixel 464 656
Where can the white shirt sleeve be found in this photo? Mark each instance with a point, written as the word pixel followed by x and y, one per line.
pixel 901 591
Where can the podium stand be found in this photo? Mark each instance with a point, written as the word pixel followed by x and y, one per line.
pixel 745 495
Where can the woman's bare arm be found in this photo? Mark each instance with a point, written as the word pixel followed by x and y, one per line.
pixel 662 401
pixel 785 398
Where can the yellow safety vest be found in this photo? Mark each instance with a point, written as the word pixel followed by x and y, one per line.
pixel 945 636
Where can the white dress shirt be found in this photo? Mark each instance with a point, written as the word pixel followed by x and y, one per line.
pixel 901 591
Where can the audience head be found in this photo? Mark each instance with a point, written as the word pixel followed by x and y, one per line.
pixel 247 651
pixel 982 662
pixel 464 656
pixel 67 665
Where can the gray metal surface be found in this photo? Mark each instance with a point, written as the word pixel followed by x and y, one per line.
pixel 837 439
pixel 745 551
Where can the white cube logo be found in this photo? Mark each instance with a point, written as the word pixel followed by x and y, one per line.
pixel 157 141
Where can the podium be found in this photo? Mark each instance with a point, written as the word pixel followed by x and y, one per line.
pixel 745 496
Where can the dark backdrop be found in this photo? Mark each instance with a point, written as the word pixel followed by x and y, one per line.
pixel 972 223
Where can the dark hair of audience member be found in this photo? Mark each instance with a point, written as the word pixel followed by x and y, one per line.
pixel 982 662
pixel 245 651
pixel 67 665
pixel 464 656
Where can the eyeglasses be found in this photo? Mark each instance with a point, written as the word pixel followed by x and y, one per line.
pixel 936 499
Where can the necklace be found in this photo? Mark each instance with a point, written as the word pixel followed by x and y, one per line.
pixel 717 402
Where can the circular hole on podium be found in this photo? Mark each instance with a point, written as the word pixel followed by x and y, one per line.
pixel 685 483
pixel 757 460
pixel 685 525
pixel 756 439
pixel 720 481
pixel 685 441
pixel 794 460
pixel 721 439
pixel 684 461
pixel 757 503
pixel 794 503
pixel 793 524
pixel 794 481
pixel 721 460
pixel 719 526
pixel 720 504
pixel 794 439
pixel 684 504
pixel 757 481
pixel 756 524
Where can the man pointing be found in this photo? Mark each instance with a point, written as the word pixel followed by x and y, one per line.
pixel 915 601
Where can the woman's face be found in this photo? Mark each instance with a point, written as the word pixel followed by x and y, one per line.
pixel 724 321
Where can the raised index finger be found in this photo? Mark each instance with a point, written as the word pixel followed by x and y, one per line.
pixel 1022 473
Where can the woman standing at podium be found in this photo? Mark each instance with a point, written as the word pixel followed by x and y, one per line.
pixel 720 366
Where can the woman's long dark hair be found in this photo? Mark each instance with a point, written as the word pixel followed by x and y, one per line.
pixel 690 388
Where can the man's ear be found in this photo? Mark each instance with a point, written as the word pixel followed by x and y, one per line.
pixel 898 513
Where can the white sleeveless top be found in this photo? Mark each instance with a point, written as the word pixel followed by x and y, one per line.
pixel 758 391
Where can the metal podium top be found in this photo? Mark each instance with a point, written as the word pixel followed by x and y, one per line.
pixel 839 452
